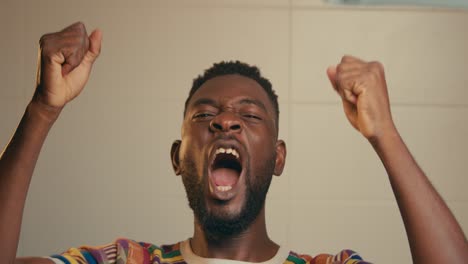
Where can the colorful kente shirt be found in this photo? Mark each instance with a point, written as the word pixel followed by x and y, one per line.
pixel 131 252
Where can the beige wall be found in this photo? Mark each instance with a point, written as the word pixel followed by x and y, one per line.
pixel 105 172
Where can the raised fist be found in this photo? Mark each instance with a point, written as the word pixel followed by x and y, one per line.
pixel 363 90
pixel 66 59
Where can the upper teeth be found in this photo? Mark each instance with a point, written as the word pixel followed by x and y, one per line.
pixel 228 151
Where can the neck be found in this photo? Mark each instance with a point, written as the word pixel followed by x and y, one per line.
pixel 237 247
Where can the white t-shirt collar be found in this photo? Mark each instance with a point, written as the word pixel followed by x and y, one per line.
pixel 191 258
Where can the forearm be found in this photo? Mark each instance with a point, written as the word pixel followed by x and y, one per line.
pixel 433 232
pixel 17 164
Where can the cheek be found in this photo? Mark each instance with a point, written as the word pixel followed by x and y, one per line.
pixel 192 153
pixel 192 139
pixel 262 144
pixel 262 136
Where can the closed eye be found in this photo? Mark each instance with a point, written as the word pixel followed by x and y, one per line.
pixel 202 115
pixel 250 116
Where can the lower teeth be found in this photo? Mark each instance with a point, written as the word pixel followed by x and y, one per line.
pixel 223 188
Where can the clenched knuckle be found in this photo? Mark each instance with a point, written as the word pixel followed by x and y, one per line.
pixel 44 39
pixel 76 29
pixel 346 58
pixel 340 78
pixel 370 75
pixel 376 66
pixel 46 52
pixel 79 26
pixel 374 77
pixel 81 29
pixel 340 67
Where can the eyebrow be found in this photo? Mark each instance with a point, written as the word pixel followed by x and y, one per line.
pixel 253 102
pixel 204 101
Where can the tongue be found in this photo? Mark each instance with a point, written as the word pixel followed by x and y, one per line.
pixel 225 177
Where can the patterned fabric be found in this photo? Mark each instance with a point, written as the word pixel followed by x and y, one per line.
pixel 346 256
pixel 131 252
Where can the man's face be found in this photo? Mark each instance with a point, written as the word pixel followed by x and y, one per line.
pixel 228 153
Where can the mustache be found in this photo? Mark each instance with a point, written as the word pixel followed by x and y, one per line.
pixel 229 138
pixel 226 137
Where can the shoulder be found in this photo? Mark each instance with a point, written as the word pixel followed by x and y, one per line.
pixel 122 249
pixel 346 256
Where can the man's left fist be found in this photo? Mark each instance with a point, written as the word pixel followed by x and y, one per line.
pixel 363 90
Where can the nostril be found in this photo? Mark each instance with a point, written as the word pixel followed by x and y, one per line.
pixel 235 127
pixel 217 126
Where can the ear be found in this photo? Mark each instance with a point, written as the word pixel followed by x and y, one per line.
pixel 175 156
pixel 280 157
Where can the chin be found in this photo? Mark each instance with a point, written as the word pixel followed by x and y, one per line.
pixel 228 220
pixel 225 216
pixel 225 211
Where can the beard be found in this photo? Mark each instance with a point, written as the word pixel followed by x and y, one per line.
pixel 219 225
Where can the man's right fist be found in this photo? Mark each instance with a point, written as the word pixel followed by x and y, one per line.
pixel 66 59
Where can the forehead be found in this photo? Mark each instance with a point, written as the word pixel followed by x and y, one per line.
pixel 231 88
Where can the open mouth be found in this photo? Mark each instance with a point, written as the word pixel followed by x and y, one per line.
pixel 225 169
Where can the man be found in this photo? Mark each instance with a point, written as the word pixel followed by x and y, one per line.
pixel 227 155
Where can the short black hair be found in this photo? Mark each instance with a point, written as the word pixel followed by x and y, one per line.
pixel 240 68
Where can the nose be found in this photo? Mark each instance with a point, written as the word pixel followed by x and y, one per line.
pixel 226 122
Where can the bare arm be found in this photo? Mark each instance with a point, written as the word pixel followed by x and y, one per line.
pixel 16 167
pixel 66 60
pixel 433 233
